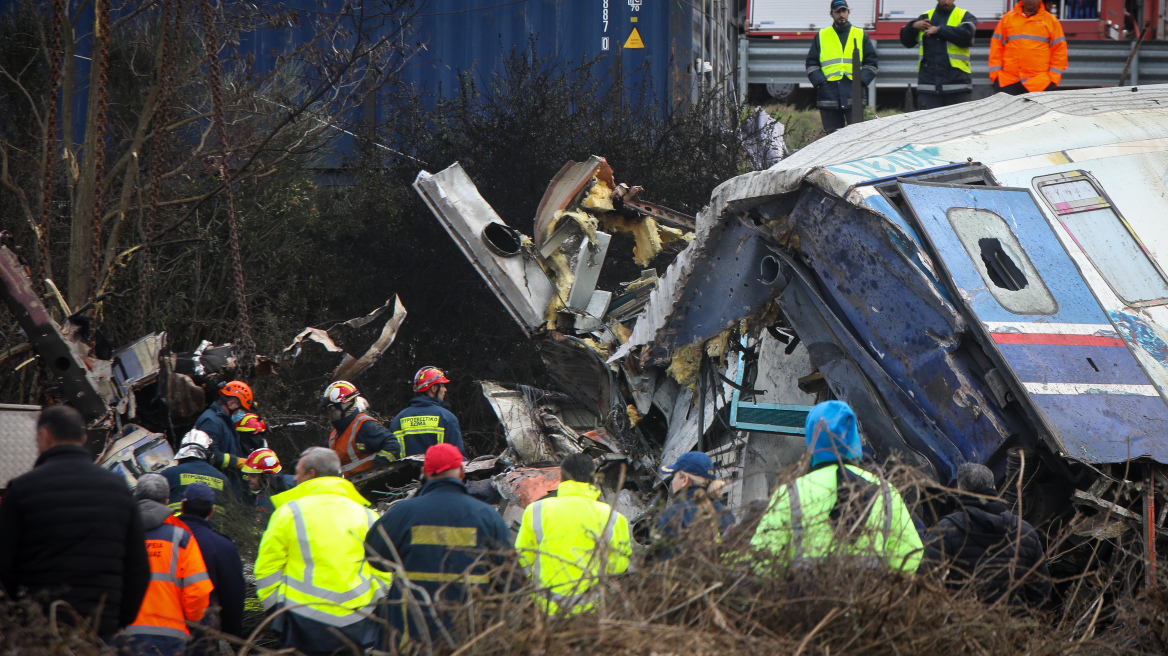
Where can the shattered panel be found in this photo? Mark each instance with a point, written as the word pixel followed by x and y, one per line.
pixel 350 367
pixel 496 251
pixel 519 424
pixel 565 187
pixel 579 371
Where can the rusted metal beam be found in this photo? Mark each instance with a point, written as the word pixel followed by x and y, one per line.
pixel 629 198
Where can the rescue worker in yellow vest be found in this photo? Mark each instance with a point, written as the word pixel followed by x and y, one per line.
pixel 942 36
pixel 360 441
pixel 837 512
pixel 829 66
pixel 569 541
pixel 311 561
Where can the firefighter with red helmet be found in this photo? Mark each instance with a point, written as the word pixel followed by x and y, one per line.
pixel 359 439
pixel 261 471
pixel 427 420
pixel 218 421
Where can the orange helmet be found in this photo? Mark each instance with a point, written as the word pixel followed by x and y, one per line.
pixel 239 390
pixel 251 423
pixel 339 393
pixel 428 377
pixel 262 461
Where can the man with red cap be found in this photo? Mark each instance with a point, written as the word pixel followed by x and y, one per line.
pixel 445 539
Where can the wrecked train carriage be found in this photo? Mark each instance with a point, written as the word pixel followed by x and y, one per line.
pixel 980 283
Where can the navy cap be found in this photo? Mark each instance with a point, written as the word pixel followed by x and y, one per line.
pixel 839 4
pixel 198 492
pixel 694 462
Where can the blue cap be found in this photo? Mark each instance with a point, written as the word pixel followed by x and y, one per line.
pixel 198 492
pixel 831 433
pixel 839 4
pixel 694 462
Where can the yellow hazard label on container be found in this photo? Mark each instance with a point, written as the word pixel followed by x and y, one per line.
pixel 635 40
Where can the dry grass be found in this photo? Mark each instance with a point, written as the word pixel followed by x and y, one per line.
pixel 803 126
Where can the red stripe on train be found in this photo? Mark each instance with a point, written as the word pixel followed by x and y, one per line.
pixel 1055 339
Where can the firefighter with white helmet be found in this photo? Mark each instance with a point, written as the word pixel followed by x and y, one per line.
pixel 359 439
pixel 192 466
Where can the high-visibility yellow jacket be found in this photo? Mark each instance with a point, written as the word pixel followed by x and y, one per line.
pixel 798 530
pixel 313 552
pixel 566 542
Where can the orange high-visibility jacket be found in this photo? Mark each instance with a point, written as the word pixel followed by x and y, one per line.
pixel 180 588
pixel 1032 49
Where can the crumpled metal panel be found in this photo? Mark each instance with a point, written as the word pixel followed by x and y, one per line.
pixel 565 187
pixel 517 280
pixel 18 451
pixel 580 372
pixel 522 486
pixel 519 425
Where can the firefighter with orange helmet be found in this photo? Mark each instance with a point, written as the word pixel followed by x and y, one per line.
pixel 427 420
pixel 218 421
pixel 359 439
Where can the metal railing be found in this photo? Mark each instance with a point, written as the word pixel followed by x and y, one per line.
pixel 1092 63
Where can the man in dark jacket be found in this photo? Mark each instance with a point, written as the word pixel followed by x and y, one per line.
pixel 218 421
pixel 191 467
pixel 944 36
pixel 445 539
pixel 427 420
pixel 829 66
pixel 978 545
pixel 71 529
pixel 223 565
pixel 694 516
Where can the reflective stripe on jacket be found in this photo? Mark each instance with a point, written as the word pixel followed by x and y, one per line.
pixel 424 423
pixel 568 541
pixel 180 588
pixel 797 526
pixel 835 59
pixel 958 56
pixel 312 556
pixel 345 444
pixel 1030 49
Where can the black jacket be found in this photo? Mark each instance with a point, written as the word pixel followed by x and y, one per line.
pixel 442 502
pixel 71 528
pixel 838 95
pixel 936 75
pixel 226 572
pixel 980 543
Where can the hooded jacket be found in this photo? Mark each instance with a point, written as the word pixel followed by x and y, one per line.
pixel 72 528
pixel 979 543
pixel 180 588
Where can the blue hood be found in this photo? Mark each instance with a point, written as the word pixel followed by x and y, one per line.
pixel 831 433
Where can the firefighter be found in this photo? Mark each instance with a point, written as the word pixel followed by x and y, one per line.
pixel 192 466
pixel 261 472
pixel 218 421
pixel 942 36
pixel 838 509
pixel 427 420
pixel 1028 51
pixel 829 66
pixel 360 441
pixel 252 432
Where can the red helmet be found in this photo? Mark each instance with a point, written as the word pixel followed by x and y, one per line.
pixel 261 461
pixel 428 377
pixel 339 393
pixel 239 390
pixel 250 423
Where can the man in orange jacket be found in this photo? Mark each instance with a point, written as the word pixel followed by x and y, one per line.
pixel 1028 51
pixel 180 588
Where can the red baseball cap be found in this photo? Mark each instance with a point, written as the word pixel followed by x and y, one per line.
pixel 440 458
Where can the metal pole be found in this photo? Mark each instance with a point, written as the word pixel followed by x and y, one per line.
pixel 1150 523
pixel 857 86
pixel 1135 49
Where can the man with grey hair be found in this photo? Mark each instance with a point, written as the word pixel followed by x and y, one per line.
pixel 978 545
pixel 312 561
pixel 180 588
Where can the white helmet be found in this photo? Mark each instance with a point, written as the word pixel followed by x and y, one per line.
pixel 195 444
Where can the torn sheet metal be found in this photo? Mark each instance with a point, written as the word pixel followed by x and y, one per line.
pixel 522 486
pixel 82 389
pixel 496 250
pixel 136 364
pixel 136 453
pixel 630 198
pixel 589 262
pixel 565 188
pixel 519 424
pixel 350 367
pixel 580 372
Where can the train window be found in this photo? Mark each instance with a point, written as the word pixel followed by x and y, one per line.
pixel 1101 232
pixel 998 257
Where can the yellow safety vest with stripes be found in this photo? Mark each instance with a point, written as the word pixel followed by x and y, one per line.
pixel 835 60
pixel 419 425
pixel 567 542
pixel 958 56
pixel 312 556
